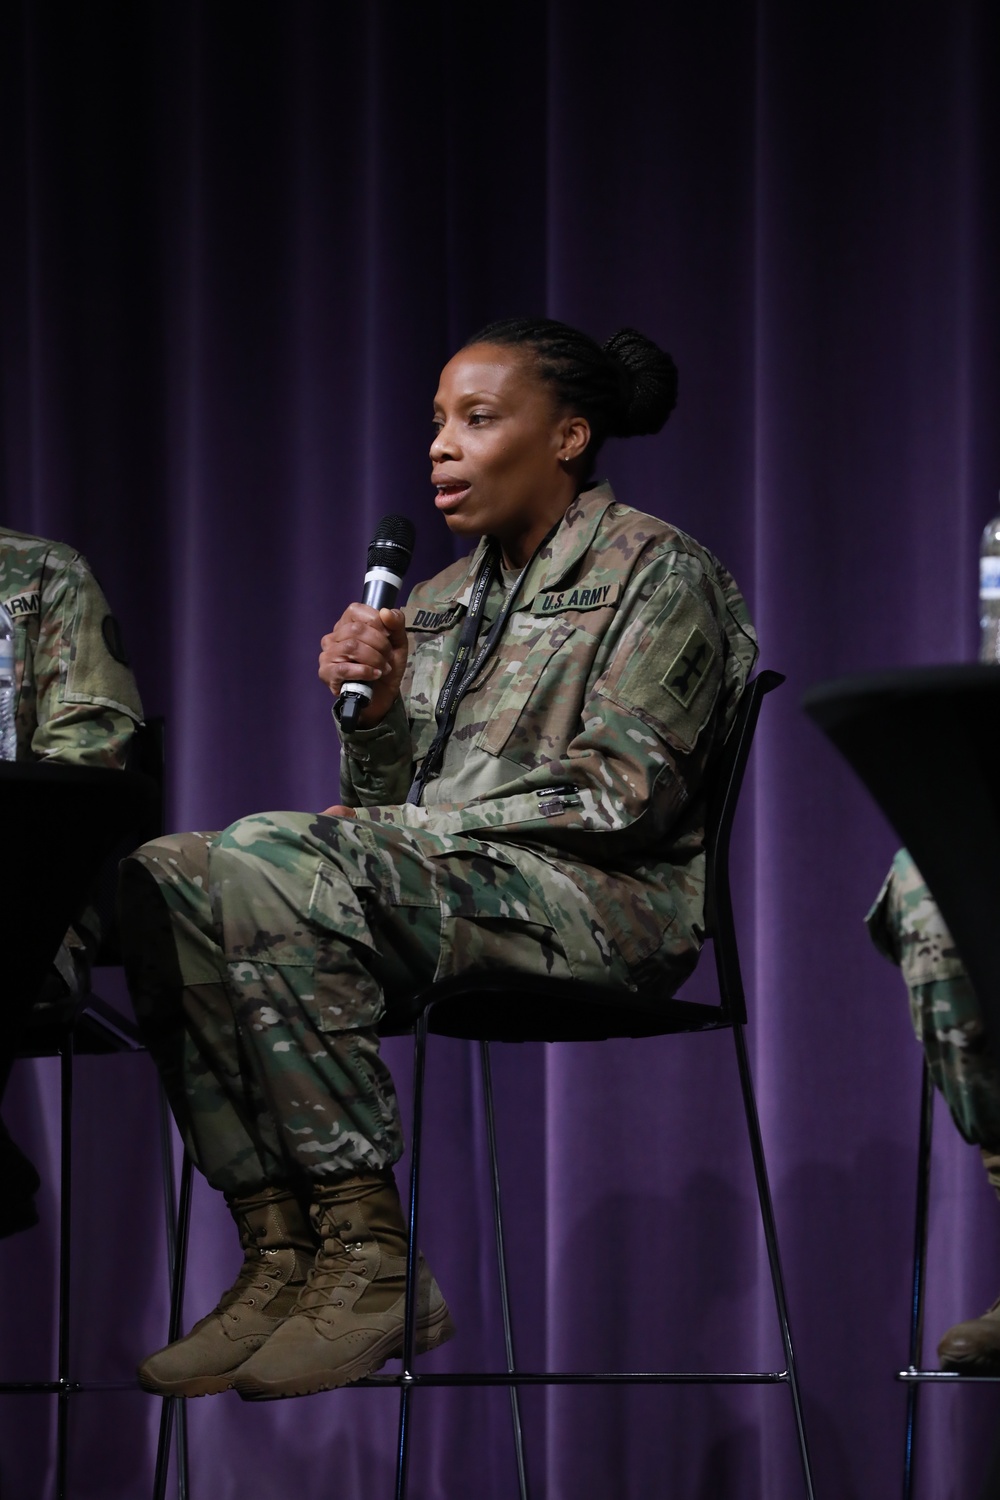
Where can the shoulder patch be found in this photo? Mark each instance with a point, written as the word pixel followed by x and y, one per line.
pixel 22 604
pixel 583 595
pixel 112 633
pixel 688 667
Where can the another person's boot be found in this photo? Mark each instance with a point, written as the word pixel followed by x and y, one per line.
pixel 349 1318
pixel 278 1249
pixel 973 1347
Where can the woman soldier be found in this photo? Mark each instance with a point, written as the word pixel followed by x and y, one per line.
pixel 524 789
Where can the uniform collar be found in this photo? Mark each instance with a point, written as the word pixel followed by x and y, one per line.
pixel 572 540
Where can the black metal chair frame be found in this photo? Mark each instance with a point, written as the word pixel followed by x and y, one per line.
pixel 98 1029
pixel 573 1011
pixel 879 723
pixel 914 1376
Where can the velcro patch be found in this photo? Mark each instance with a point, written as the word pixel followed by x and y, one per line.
pixel 22 604
pixel 112 633
pixel 688 667
pixel 582 596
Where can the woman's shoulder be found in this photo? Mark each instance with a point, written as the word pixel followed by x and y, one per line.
pixel 662 555
pixel 640 537
pixel 35 572
pixel 21 551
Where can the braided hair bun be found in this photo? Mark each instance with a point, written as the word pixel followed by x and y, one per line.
pixel 648 383
pixel 624 389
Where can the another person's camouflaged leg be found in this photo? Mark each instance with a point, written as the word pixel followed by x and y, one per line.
pixel 906 925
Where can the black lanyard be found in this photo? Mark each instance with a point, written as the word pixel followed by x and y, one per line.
pixel 467 666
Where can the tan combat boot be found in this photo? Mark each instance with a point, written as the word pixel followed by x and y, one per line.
pixel 349 1318
pixel 278 1249
pixel 973 1347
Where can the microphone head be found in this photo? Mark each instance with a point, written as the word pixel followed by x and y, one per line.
pixel 392 545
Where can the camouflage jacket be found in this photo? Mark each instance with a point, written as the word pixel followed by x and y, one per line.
pixel 76 697
pixel 582 746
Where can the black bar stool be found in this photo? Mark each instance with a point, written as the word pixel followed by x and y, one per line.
pixel 500 1007
pixel 73 825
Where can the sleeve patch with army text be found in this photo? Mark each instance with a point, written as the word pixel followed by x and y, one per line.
pixel 22 604
pixel 584 596
pixel 688 667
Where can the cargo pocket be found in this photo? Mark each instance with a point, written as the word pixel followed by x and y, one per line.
pixel 345 996
pixel 489 917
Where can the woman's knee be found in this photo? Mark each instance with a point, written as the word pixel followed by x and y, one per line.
pixel 174 857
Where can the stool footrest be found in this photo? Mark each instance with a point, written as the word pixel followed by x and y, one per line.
pixel 525 1377
pixel 64 1387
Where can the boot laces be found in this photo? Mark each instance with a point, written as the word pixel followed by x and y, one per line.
pixel 335 1267
pixel 255 1275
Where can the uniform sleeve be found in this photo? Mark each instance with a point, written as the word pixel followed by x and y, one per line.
pixel 87 703
pixel 376 765
pixel 658 702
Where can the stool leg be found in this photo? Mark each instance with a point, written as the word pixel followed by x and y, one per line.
pixel 508 1336
pixel 180 1267
pixel 65 1246
pixel 177 1243
pixel 410 1321
pixel 175 1210
pixel 919 1274
pixel 771 1240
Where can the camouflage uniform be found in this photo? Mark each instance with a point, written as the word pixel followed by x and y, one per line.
pixel 76 697
pixel 564 834
pixel 907 927
pixel 77 700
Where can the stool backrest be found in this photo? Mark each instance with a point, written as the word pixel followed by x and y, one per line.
pixel 502 1005
pixel 726 783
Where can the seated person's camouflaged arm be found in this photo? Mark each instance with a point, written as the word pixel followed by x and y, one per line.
pixel 77 698
pixel 376 765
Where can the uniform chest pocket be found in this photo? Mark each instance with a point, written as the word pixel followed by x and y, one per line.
pixel 530 704
pixel 430 659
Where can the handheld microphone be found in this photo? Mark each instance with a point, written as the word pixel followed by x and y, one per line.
pixel 389 555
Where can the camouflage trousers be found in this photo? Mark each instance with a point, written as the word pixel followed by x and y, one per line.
pixel 260 960
pixel 907 927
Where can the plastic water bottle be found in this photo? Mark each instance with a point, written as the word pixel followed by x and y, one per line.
pixel 989 593
pixel 8 688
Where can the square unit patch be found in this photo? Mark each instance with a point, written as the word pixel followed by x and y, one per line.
pixel 688 667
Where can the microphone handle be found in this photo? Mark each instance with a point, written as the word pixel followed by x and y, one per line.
pixel 381 592
pixel 381 588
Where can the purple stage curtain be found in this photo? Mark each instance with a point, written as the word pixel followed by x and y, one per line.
pixel 237 242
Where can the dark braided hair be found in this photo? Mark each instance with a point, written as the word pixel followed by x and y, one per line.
pixel 624 389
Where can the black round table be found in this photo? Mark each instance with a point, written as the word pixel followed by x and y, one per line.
pixel 926 743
